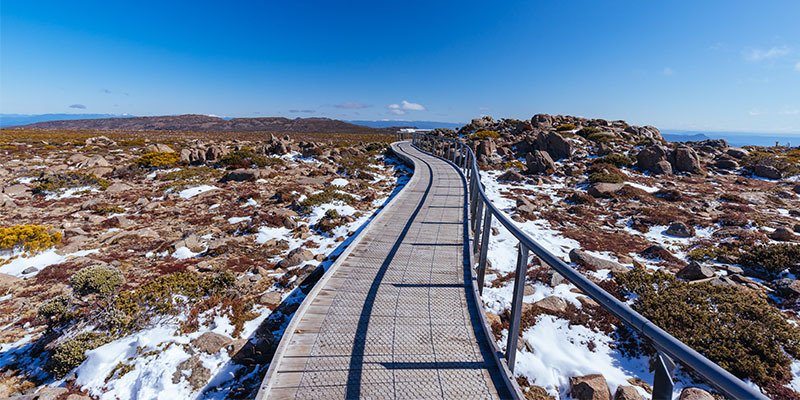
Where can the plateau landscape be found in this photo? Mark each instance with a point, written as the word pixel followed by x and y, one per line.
pixel 531 223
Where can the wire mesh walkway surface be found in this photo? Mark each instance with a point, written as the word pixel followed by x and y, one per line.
pixel 396 317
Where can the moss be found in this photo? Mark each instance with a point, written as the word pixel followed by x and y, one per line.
pixel 617 160
pixel 155 159
pixel 566 127
pixel 772 259
pixel 596 177
pixel 732 327
pixel 66 180
pixel 326 196
pixel 484 135
pixel 72 352
pixel 247 157
pixel 96 279
pixel 55 307
pixel 30 238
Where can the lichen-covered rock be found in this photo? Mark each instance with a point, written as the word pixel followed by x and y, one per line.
pixel 589 387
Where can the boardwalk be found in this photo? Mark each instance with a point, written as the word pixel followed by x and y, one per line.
pixel 395 318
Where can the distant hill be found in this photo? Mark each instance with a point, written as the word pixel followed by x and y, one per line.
pixel 680 137
pixel 733 138
pixel 409 124
pixel 204 123
pixel 24 119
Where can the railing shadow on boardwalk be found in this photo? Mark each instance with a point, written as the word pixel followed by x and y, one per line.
pixel 240 379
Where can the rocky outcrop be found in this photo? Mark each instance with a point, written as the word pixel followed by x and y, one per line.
pixel 554 144
pixel 767 171
pixel 685 159
pixel 694 271
pixel 603 189
pixel 654 159
pixel 589 387
pixel 539 162
pixel 593 263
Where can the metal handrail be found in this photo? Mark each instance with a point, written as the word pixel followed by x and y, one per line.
pixel 482 211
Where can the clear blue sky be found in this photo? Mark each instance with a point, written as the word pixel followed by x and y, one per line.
pixel 711 65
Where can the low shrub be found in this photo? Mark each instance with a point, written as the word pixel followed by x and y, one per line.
pixel 731 326
pixel 55 307
pixel 566 127
pixel 109 210
pixel 710 253
pixel 586 131
pixel 155 159
pixel 596 177
pixel 67 180
pixel 189 176
pixel 601 137
pixel 771 258
pixel 785 163
pixel 29 238
pixel 484 135
pixel 96 279
pixel 326 196
pixel 72 352
pixel 332 213
pixel 514 164
pixel 357 167
pixel 247 157
pixel 617 160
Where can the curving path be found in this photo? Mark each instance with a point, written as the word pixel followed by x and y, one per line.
pixel 395 316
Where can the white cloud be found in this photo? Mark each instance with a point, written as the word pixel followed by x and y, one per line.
pixel 790 111
pixel 797 66
pixel 668 71
pixel 404 106
pixel 754 112
pixel 759 54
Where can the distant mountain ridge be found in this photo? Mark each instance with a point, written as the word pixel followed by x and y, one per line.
pixel 414 124
pixel 24 119
pixel 205 123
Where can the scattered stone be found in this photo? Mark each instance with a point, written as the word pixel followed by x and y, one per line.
pixel 766 171
pixel 118 187
pixel 625 392
pixel 51 393
pixel 525 206
pixel 589 387
pixel 692 393
pixel 158 148
pixel 782 235
pixel 694 271
pixel 29 270
pixel 210 342
pixel 551 305
pixel 680 229
pixel 241 175
pixel 593 263
pixel 737 152
pixel 529 290
pixel 511 175
pixel 193 369
pixel 295 257
pixel 603 189
pixel 787 287
pixel 271 299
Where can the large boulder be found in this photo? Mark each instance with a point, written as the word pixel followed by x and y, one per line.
pixel 589 387
pixel 692 393
pixel 737 152
pixel 653 159
pixel 295 257
pixel 679 229
pixel 512 176
pixel 551 305
pixel 726 163
pixel 767 171
pixel 782 235
pixel 241 175
pixel 554 144
pixel 685 159
pixel 539 162
pixel 542 121
pixel 158 148
pixel 627 392
pixel 210 342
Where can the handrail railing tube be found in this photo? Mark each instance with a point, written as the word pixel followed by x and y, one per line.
pixel 669 349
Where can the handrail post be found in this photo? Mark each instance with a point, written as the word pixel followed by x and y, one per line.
pixel 487 226
pixel 516 306
pixel 663 382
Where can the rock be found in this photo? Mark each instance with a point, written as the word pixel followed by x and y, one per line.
pixel 551 305
pixel 7 202
pixel 591 262
pixel 193 369
pixel 679 229
pixel 100 141
pixel 158 148
pixel 686 159
pixel 525 206
pixel 272 299
pixel 51 393
pixel 782 235
pixel 726 163
pixel 589 387
pixel 555 145
pixel 118 187
pixel 787 287
pixel 295 257
pixel 766 171
pixel 691 393
pixel 96 161
pixel 662 167
pixel 492 318
pixel 796 189
pixel 512 176
pixel 539 162
pixel 554 278
pixel 542 121
pixel 796 228
pixel 75 396
pixel 77 159
pixel 100 171
pixel 649 159
pixel 695 271
pixel 625 392
pixel 737 152
pixel 241 175
pixel 17 190
pixel 210 342
pixel 29 270
pixel 603 189
pixel 529 290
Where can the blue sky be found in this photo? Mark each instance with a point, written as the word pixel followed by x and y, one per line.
pixel 707 65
